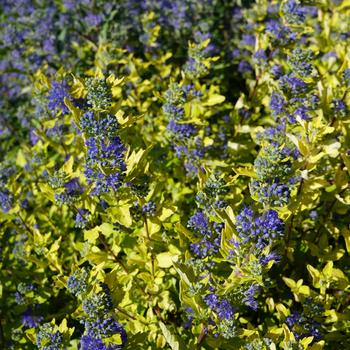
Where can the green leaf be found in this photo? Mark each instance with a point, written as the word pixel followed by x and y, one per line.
pixel 185 232
pixel 332 149
pixel 245 172
pixel 214 100
pixel 76 112
pixel 282 311
pixel 106 229
pixel 305 342
pixel 31 334
pixel 91 235
pixel 165 260
pixel 21 160
pixel 47 191
pixel 171 339
pixel 166 213
pixel 315 274
pixel 327 270
pixel 185 273
pixel 121 214
pixel 318 346
pixel 289 282
pixel 346 235
pixel 68 166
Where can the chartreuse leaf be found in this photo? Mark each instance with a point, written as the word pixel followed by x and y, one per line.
pixel 166 259
pixel 134 162
pixel 68 166
pixel 114 339
pixel 288 335
pixel 31 334
pixel 106 229
pixel 299 290
pixel 245 172
pixel 92 235
pixel 317 346
pixel 166 213
pixel 121 214
pixel 282 311
pixel 76 112
pixel 346 235
pixel 332 149
pixel 173 340
pixel 21 160
pixel 305 342
pixel 289 282
pixel 214 100
pixel 78 88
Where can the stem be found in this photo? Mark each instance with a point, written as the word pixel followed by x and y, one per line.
pixel 101 239
pixel 201 336
pixel 125 313
pixel 25 225
pixel 146 227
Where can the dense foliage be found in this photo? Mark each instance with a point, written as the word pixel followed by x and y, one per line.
pixel 175 174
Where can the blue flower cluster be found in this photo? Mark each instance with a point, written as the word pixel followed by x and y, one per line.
pixel 98 93
pixel 55 98
pixel 210 234
pixel 149 208
pixel 187 135
pixel 249 298
pixel 48 338
pixel 174 99
pixel 78 282
pixel 82 218
pixel 294 12
pixel 96 306
pixel 226 324
pixel 273 167
pixel 258 344
pixel 22 295
pixel 29 319
pixel 101 330
pixel 99 326
pixel 260 229
pixel 98 333
pixel 304 326
pixel 292 86
pixel 182 135
pixel 213 194
pixel 105 163
pixel 346 76
pixel 194 67
pixel 300 61
pixel 70 193
pixel 6 200
pixel 274 193
pixel 272 163
pixel 105 125
pixel 107 155
pixel 221 307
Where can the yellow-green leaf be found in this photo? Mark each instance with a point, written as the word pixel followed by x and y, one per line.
pixel 214 100
pixel 165 260
pixel 20 160
pixel 92 235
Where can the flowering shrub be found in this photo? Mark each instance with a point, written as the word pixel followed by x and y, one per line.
pixel 175 175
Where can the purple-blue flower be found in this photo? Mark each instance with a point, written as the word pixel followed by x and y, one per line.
pixel 277 103
pixel 55 98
